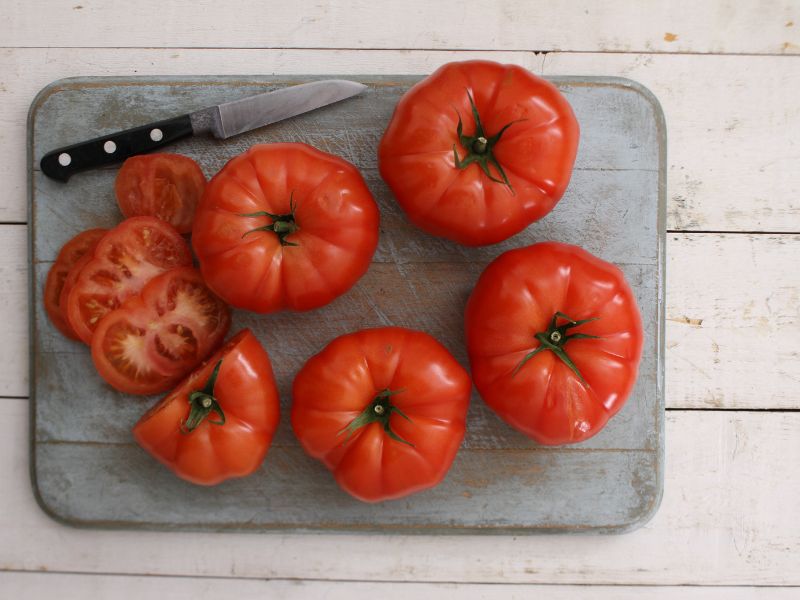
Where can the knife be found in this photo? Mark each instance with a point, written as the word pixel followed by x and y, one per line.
pixel 221 121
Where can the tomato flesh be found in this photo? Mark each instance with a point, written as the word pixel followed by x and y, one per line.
pixel 123 261
pixel 166 186
pixel 154 339
pixel 71 258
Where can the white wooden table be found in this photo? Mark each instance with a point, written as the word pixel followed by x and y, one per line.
pixel 728 76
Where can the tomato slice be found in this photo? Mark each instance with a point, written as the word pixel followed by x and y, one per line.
pixel 230 439
pixel 167 186
pixel 123 261
pixel 156 338
pixel 70 257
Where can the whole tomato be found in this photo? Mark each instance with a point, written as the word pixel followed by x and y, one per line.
pixel 384 409
pixel 219 422
pixel 478 150
pixel 554 337
pixel 285 226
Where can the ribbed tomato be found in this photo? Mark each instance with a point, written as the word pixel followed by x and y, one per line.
pixel 478 150
pixel 285 226
pixel 384 409
pixel 554 337
pixel 219 422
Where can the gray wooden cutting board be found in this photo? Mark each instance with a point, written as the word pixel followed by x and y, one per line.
pixel 86 468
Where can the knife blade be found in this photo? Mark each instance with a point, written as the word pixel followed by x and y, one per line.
pixel 221 121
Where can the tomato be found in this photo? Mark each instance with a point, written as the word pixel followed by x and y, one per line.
pixel 384 409
pixel 285 226
pixel 68 257
pixel 124 260
pixel 554 337
pixel 219 422
pixel 167 186
pixel 154 339
pixel 478 151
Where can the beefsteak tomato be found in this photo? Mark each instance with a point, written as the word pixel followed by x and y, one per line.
pixel 219 422
pixel 123 261
pixel 285 226
pixel 167 186
pixel 554 337
pixel 478 150
pixel 69 260
pixel 384 409
pixel 154 339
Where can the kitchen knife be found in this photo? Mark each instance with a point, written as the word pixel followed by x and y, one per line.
pixel 221 121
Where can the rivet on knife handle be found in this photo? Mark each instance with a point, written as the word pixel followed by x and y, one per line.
pixel 114 148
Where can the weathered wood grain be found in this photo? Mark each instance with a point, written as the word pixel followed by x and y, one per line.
pixel 729 517
pixel 593 25
pixel 502 482
pixel 733 321
pixel 75 586
pixel 732 120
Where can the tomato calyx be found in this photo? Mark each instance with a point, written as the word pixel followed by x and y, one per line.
pixel 282 225
pixel 378 411
pixel 554 339
pixel 203 403
pixel 479 147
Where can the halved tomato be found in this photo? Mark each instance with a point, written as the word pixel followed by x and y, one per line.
pixel 219 422
pixel 125 259
pixel 156 338
pixel 68 257
pixel 167 186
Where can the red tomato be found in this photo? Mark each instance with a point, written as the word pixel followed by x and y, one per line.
pixel 384 409
pixel 68 257
pixel 479 150
pixel 167 186
pixel 124 260
pixel 285 226
pixel 216 427
pixel 554 339
pixel 157 337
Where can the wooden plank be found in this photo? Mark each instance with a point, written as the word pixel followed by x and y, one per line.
pixel 732 124
pixel 593 25
pixel 741 175
pixel 502 482
pixel 738 285
pixel 733 321
pixel 729 517
pixel 14 348
pixel 80 586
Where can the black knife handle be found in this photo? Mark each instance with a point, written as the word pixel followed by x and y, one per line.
pixel 62 163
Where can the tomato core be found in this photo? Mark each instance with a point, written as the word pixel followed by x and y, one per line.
pixel 282 225
pixel 378 411
pixel 554 339
pixel 203 403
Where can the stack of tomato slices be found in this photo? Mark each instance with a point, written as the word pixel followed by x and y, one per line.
pixel 474 153
pixel 133 296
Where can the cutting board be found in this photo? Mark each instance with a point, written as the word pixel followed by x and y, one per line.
pixel 87 470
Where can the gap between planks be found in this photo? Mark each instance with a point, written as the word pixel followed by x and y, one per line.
pixel 399 49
